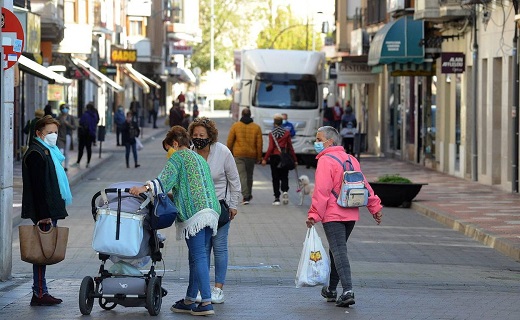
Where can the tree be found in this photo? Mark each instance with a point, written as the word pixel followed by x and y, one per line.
pixel 288 32
pixel 233 22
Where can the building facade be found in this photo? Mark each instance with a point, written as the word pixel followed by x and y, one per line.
pixel 444 93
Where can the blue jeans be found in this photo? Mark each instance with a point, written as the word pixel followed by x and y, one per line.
pixel 127 152
pixel 39 282
pixel 199 266
pixel 219 243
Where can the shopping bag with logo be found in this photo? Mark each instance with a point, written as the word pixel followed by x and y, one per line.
pixel 353 192
pixel 314 266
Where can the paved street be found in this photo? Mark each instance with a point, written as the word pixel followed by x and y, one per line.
pixel 425 262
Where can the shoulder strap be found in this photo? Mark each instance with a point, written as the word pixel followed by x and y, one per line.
pixel 341 163
pixel 276 142
pixel 344 169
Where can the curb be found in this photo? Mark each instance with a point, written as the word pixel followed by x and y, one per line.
pixel 501 245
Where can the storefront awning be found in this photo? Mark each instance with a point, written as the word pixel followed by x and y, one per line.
pixel 134 76
pixel 182 75
pixel 36 69
pixel 140 79
pixel 398 42
pixel 98 74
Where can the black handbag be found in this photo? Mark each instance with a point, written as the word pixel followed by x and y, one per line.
pixel 224 211
pixel 286 161
pixel 164 211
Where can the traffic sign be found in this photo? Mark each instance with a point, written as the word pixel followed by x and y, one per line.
pixel 12 38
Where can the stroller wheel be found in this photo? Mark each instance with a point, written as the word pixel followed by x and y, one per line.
pixel 154 296
pixel 104 304
pixel 86 292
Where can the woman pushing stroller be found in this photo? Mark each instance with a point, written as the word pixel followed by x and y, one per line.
pixel 188 177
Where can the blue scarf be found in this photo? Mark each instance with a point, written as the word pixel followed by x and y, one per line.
pixel 63 181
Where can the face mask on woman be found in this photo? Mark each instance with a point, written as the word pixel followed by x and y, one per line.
pixel 200 143
pixel 51 139
pixel 65 110
pixel 318 146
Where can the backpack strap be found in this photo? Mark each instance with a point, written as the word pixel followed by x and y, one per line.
pixel 344 169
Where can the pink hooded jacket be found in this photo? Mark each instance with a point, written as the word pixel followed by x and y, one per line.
pixel 328 176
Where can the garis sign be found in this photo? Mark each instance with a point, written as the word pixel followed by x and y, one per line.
pixel 453 62
pixel 123 55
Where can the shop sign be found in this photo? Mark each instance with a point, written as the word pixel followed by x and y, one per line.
pixel 452 62
pixel 108 70
pixel 123 55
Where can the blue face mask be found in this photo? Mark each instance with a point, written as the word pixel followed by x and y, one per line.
pixel 65 110
pixel 284 121
pixel 318 146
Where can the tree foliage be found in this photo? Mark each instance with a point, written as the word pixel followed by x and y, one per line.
pixel 288 32
pixel 233 20
pixel 234 23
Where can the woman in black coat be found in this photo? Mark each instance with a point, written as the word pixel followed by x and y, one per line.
pixel 46 192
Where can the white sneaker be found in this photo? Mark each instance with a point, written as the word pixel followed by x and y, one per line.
pixel 276 202
pixel 217 295
pixel 285 198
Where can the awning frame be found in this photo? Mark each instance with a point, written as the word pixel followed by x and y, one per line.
pixel 36 69
pixel 149 81
pixel 115 87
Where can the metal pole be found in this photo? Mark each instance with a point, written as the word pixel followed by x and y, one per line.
pixel 212 47
pixel 514 108
pixel 6 162
pixel 474 145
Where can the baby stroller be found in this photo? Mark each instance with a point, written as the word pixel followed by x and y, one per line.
pixel 122 235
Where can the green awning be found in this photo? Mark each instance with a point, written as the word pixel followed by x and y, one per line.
pixel 399 42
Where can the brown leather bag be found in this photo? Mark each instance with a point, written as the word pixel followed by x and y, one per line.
pixel 43 247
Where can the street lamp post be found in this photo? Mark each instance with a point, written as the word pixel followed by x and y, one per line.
pixel 514 109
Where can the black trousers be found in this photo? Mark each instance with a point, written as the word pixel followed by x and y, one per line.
pixel 85 142
pixel 279 177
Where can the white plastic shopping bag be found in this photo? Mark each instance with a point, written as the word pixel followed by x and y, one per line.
pixel 138 144
pixel 314 266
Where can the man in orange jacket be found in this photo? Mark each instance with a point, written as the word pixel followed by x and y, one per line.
pixel 245 142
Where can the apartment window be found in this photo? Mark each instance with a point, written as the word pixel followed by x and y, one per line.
pixel 136 26
pixel 376 11
pixel 76 11
pixel 177 11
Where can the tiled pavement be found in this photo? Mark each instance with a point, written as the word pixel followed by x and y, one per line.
pixel 388 287
pixel 485 213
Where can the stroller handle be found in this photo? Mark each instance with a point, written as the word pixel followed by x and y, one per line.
pixel 110 190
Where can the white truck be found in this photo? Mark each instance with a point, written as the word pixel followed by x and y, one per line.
pixel 284 81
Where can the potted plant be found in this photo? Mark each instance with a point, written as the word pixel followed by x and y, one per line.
pixel 396 191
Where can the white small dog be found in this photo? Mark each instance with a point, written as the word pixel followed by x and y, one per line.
pixel 305 187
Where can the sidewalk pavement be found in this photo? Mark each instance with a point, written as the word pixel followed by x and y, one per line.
pixel 484 213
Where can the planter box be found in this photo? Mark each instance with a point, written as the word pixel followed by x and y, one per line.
pixel 396 194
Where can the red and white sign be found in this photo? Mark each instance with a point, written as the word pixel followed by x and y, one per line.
pixel 12 38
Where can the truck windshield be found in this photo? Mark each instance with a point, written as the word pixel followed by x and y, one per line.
pixel 291 94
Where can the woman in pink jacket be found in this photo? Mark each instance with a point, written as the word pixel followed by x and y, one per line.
pixel 338 222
